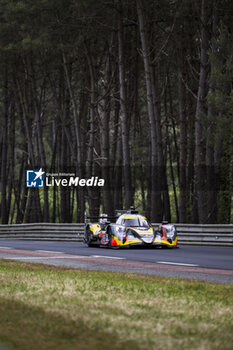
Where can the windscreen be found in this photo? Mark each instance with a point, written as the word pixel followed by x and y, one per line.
pixel 129 222
pixel 133 222
pixel 144 223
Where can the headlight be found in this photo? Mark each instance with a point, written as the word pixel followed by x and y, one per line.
pixel 170 231
pixel 120 231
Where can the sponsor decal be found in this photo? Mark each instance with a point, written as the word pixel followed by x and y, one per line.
pixel 104 238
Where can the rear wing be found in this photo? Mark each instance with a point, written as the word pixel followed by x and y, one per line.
pixel 110 218
pixel 131 210
pixel 97 217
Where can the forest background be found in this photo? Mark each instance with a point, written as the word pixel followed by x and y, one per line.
pixel 136 92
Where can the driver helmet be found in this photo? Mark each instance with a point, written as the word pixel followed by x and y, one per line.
pixel 103 218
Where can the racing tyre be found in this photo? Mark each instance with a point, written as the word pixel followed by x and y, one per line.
pixel 88 237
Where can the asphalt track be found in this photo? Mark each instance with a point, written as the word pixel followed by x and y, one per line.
pixel 208 263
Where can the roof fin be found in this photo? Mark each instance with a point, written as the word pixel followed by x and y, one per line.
pixel 132 210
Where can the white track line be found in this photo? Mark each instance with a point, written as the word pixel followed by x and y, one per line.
pixel 62 256
pixel 106 257
pixel 174 263
pixel 6 248
pixel 49 251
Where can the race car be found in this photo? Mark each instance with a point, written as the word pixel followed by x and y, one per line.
pixel 130 229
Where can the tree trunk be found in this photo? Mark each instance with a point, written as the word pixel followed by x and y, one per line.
pixel 156 204
pixel 124 113
pixel 78 158
pixel 64 165
pixel 168 141
pixel 200 113
pixel 183 129
pixel 211 171
pixel 41 151
pixel 4 215
pixel 93 192
pixel 12 157
pixel 107 192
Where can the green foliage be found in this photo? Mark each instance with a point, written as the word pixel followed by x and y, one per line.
pixel 220 98
pixel 48 49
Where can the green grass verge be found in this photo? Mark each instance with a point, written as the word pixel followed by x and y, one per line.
pixel 45 307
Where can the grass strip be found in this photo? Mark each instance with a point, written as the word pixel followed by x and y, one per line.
pixel 27 327
pixel 46 307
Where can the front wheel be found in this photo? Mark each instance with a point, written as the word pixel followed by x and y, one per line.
pixel 111 241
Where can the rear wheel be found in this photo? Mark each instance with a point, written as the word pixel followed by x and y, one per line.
pixel 109 232
pixel 89 237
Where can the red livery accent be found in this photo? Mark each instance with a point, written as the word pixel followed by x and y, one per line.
pixel 114 243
